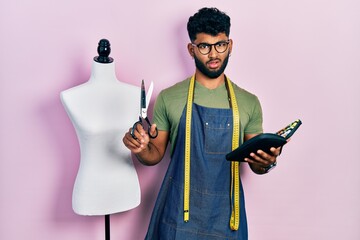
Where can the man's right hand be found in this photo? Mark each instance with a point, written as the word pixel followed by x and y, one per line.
pixel 148 151
pixel 140 142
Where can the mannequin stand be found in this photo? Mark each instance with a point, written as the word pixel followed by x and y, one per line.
pixel 107 227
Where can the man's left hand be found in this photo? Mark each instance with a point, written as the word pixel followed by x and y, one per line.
pixel 261 160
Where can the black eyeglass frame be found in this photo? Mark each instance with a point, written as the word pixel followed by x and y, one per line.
pixel 227 42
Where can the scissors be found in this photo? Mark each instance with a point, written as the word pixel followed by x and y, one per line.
pixel 144 103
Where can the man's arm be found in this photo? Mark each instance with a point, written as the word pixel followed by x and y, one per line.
pixel 148 151
pixel 260 160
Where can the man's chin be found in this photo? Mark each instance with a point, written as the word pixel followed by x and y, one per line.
pixel 213 74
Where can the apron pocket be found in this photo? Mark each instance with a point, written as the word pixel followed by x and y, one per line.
pixel 215 135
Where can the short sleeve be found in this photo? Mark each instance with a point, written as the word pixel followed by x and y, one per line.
pixel 160 114
pixel 256 118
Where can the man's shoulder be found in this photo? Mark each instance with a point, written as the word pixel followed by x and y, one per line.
pixel 176 89
pixel 241 92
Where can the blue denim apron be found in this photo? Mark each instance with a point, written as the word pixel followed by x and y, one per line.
pixel 210 173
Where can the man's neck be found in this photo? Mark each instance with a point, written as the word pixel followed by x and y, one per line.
pixel 210 83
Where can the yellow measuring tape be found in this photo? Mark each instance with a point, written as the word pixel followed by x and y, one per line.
pixel 235 178
pixel 235 181
pixel 187 150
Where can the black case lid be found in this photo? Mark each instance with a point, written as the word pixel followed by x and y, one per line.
pixel 262 141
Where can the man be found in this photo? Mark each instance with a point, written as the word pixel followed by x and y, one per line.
pixel 200 197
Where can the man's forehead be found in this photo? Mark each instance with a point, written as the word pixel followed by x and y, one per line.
pixel 208 38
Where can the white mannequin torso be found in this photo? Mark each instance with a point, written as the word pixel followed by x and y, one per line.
pixel 102 110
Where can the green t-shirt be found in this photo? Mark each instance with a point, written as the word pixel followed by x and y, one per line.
pixel 171 102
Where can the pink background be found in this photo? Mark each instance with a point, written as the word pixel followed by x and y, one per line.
pixel 301 58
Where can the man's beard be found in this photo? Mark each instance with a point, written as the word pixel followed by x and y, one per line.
pixel 211 73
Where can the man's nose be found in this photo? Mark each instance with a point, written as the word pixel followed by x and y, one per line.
pixel 213 52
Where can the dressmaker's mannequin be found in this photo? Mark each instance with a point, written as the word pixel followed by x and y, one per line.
pixel 101 111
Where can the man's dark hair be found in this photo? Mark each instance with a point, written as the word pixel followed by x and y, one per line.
pixel 210 21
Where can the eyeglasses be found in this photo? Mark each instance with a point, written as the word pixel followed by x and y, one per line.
pixel 205 48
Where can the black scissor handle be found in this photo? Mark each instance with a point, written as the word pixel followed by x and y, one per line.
pixel 156 130
pixel 132 132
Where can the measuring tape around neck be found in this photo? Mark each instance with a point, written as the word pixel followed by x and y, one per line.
pixel 235 179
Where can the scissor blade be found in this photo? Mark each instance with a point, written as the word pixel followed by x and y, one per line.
pixel 149 93
pixel 143 95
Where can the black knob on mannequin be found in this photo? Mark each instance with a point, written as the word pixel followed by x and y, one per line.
pixel 104 52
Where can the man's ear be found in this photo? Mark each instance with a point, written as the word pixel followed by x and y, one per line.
pixel 230 46
pixel 191 49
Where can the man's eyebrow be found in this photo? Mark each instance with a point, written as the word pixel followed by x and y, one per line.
pixel 211 43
